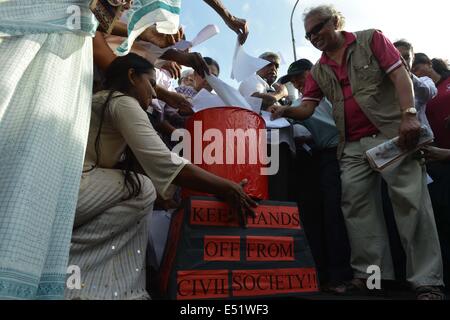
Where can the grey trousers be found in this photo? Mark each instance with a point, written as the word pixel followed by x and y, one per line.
pixel 362 208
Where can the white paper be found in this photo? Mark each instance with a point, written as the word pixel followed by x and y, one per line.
pixel 206 100
pixel 227 93
pixel 255 103
pixel 205 34
pixel 274 124
pixel 245 65
pixel 182 45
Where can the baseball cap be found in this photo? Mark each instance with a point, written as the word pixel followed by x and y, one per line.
pixel 297 67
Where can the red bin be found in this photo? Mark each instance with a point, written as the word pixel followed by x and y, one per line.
pixel 241 153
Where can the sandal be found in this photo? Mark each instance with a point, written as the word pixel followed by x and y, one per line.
pixel 429 293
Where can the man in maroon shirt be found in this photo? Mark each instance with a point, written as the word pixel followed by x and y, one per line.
pixel 363 76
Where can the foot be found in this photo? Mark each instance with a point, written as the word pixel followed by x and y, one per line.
pixel 357 286
pixel 429 293
pixel 337 287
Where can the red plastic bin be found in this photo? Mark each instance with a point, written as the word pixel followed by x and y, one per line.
pixel 240 121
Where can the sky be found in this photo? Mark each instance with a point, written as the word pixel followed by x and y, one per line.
pixel 423 23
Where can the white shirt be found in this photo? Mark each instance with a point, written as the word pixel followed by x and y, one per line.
pixel 424 91
pixel 257 84
pixel 253 84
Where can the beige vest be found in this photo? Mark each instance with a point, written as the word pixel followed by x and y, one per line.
pixel 372 89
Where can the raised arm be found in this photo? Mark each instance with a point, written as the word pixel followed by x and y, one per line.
pixel 193 60
pixel 238 25
pixel 103 55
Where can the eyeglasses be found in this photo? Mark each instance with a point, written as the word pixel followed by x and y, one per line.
pixel 317 28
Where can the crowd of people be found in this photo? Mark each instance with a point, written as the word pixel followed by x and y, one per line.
pixel 85 144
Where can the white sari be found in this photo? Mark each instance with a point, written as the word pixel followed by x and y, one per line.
pixel 45 97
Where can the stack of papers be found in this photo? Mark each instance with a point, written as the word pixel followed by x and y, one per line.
pixel 274 124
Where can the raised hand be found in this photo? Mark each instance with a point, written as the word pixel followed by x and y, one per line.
pixel 240 26
pixel 173 68
pixel 178 101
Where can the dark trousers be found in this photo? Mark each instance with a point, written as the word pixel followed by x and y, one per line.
pixel 440 198
pixel 282 184
pixel 320 210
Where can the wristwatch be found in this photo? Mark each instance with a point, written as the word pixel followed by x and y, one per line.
pixel 412 111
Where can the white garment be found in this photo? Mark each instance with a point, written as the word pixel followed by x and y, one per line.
pixel 424 91
pixel 164 80
pixel 110 234
pixel 45 97
pixel 256 84
pixel 253 84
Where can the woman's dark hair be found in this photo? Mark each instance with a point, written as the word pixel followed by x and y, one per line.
pixel 438 65
pixel 441 67
pixel 117 80
pixel 211 62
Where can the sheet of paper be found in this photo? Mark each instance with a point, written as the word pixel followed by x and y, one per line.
pixel 255 103
pixel 206 100
pixel 229 95
pixel 205 34
pixel 274 124
pixel 245 65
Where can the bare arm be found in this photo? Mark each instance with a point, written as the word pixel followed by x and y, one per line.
pixel 195 178
pixel 193 60
pixel 304 111
pixel 236 24
pixel 175 100
pixel 404 87
pixel 436 154
pixel 103 55
pixel 272 98
pixel 165 128
pixel 409 132
pixel 267 99
pixel 120 29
